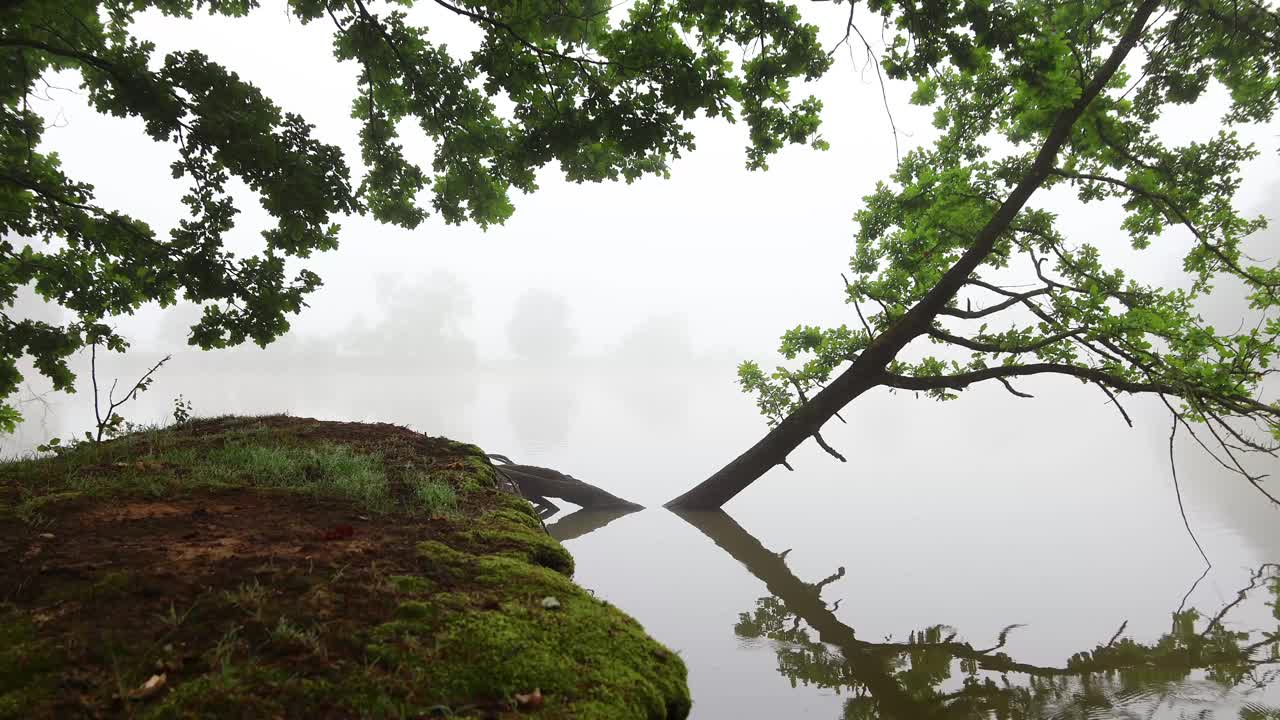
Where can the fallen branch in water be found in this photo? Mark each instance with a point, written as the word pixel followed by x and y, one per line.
pixel 543 483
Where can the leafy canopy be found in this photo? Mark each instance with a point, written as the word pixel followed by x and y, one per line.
pixel 603 93
pixel 954 255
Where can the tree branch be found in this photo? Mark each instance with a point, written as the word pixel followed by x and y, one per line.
pixel 1178 214
pixel 1014 299
pixel 1116 401
pixel 830 451
pixel 960 381
pixel 536 49
pixel 1013 390
pixel 981 346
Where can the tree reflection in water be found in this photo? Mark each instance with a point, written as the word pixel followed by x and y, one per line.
pixel 934 675
pixel 579 523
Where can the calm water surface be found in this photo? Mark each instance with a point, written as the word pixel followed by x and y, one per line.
pixel 869 589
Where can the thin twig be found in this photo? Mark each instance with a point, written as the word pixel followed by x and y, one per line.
pixel 884 96
pixel 1177 490
pixel 1010 388
pixel 1116 401
pixel 112 404
pixel 849 289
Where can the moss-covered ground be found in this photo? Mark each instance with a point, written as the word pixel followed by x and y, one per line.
pixel 281 567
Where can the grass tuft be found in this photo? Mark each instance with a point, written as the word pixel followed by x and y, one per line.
pixel 435 497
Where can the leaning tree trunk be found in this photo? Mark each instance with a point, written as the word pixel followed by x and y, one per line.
pixel 867 370
pixel 774 447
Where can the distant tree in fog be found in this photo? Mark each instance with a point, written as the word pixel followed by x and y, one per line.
pixel 421 322
pixel 540 329
pixel 657 341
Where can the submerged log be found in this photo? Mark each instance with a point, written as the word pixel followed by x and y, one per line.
pixel 543 483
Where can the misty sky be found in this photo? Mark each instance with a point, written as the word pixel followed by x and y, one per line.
pixel 718 258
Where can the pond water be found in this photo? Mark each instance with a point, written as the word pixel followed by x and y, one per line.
pixel 868 589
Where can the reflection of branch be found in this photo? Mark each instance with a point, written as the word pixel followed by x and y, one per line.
pixel 576 524
pixel 1257 577
pixel 806 604
pixel 1004 636
pixel 872 665
pixel 544 507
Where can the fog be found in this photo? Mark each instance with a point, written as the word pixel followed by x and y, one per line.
pixel 598 332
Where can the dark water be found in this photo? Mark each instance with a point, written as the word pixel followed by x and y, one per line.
pixel 887 587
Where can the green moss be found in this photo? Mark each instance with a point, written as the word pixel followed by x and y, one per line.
pixel 113 583
pixel 454 627
pixel 519 505
pixel 468 449
pixel 227 694
pixel 38 509
pixel 583 654
pixel 414 610
pixel 238 693
pixel 518 518
pixel 518 534
pixel 410 584
pixel 482 470
pixel 439 555
pixel 543 551
pixel 27 666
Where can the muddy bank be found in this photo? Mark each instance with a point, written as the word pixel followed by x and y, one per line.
pixel 286 567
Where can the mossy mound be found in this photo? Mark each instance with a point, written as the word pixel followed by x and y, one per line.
pixel 284 567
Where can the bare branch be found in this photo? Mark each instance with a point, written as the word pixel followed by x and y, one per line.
pixel 858 308
pixel 1241 594
pixel 1177 491
pixel 1247 442
pixel 1254 480
pixel 823 444
pixel 1013 300
pixel 1128 421
pixel 93 375
pixel 105 424
pixel 1012 390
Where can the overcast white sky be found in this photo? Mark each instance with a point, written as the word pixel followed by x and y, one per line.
pixel 739 255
